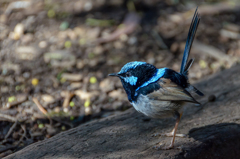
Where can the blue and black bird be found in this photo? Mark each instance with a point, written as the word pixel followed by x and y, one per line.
pixel 160 93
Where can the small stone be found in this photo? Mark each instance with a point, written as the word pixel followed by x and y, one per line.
pixel 123 37
pixel 80 64
pixel 62 35
pixel 88 110
pixel 65 110
pixel 18 31
pixel 80 31
pixel 151 60
pixel 48 99
pixel 174 47
pixel 93 33
pixel 26 74
pixel 71 34
pixel 60 58
pixel 132 40
pixel 75 85
pixel 26 39
pixel 27 52
pixel 118 45
pixel 98 50
pixel 88 6
pixel 83 95
pixel 93 62
pixel 72 77
pixel 51 131
pixel 57 109
pixel 43 44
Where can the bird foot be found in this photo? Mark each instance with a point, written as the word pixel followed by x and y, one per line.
pixel 169 134
pixel 161 147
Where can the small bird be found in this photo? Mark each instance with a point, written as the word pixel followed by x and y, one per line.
pixel 160 93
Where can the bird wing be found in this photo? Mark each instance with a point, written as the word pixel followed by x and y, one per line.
pixel 170 91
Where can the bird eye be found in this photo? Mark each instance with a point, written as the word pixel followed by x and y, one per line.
pixel 128 74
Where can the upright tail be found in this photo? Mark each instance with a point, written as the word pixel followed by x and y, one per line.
pixel 191 33
pixel 185 66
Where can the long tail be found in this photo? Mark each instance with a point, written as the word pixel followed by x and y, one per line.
pixel 192 30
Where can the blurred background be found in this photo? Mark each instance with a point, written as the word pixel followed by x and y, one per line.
pixel 55 56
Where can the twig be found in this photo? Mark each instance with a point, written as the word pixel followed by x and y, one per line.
pixel 8 117
pixel 212 51
pixel 20 99
pixel 12 147
pixel 218 8
pixel 40 107
pixel 63 122
pixel 229 34
pixel 205 10
pixel 68 96
pixel 11 130
pixel 24 135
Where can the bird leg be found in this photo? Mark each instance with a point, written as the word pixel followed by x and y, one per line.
pixel 172 132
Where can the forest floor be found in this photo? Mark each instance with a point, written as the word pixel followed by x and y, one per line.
pixel 55 57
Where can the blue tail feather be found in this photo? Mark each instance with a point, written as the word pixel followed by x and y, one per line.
pixel 190 38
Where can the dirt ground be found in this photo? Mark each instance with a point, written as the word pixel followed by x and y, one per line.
pixel 55 57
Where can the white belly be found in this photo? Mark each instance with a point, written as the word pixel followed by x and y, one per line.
pixel 156 108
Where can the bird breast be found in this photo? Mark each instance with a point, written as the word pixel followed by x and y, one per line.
pixel 156 108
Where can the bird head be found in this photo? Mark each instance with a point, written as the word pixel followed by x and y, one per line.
pixel 133 75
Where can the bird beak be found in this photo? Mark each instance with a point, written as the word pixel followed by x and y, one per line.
pixel 113 74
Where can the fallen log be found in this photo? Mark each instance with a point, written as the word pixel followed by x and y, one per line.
pixel 213 130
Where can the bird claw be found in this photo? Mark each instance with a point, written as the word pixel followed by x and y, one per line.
pixel 155 135
pixel 160 147
pixel 177 135
pixel 169 135
pixel 167 148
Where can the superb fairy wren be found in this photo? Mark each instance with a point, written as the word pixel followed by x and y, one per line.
pixel 160 93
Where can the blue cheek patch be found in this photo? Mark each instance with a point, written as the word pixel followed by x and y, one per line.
pixel 159 74
pixel 131 80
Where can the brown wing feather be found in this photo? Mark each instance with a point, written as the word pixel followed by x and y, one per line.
pixel 170 91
